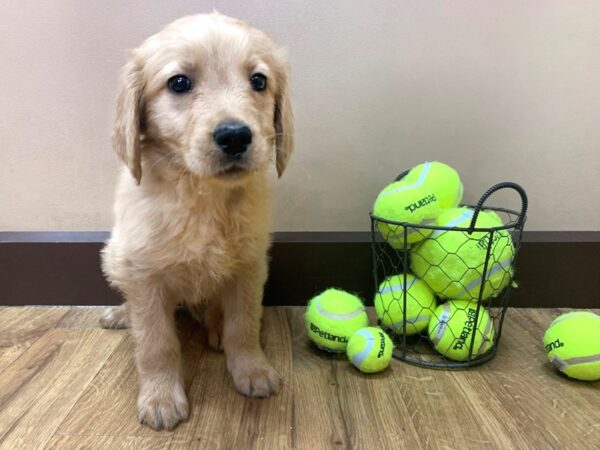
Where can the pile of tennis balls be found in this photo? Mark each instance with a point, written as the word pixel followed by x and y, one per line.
pixel 572 344
pixel 337 322
pixel 446 266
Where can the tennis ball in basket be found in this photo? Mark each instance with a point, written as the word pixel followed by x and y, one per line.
pixel 389 304
pixel 370 350
pixel 332 317
pixel 442 179
pixel 452 326
pixel 405 202
pixel 572 344
pixel 452 262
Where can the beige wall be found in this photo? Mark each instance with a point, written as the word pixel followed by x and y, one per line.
pixel 504 90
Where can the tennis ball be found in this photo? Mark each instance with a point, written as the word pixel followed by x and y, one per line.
pixel 370 350
pixel 452 262
pixel 442 179
pixel 389 304
pixel 452 326
pixel 405 202
pixel 572 344
pixel 332 317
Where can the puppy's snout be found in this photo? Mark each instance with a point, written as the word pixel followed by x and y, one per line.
pixel 232 137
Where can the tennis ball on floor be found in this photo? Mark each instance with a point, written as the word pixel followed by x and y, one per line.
pixel 389 304
pixel 405 202
pixel 332 317
pixel 452 326
pixel 370 350
pixel 572 344
pixel 442 179
pixel 452 262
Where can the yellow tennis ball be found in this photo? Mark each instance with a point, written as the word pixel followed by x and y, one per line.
pixel 405 202
pixel 332 317
pixel 389 304
pixel 441 179
pixel 572 344
pixel 370 350
pixel 452 326
pixel 452 262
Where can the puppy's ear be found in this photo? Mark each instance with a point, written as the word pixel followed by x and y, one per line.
pixel 284 122
pixel 128 121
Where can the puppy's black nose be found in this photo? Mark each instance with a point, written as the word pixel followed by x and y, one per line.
pixel 232 137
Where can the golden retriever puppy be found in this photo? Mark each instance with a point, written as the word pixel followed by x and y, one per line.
pixel 203 115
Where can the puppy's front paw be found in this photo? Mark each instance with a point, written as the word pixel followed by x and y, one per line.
pixel 255 377
pixel 162 406
pixel 115 318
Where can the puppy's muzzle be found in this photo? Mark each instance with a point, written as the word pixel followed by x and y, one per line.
pixel 233 138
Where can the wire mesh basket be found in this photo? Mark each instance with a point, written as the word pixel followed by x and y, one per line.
pixel 469 270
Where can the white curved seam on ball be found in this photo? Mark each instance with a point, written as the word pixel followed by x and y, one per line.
pixel 459 194
pixel 442 324
pixel 455 223
pixel 397 287
pixel 418 183
pixel 358 359
pixel 488 327
pixel 335 316
pixel 496 267
pixel 574 314
pixel 580 360
pixel 558 363
pixel 399 237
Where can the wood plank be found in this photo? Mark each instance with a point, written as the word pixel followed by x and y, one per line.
pixel 445 414
pixel 109 404
pixel 364 405
pixel 96 442
pixel 318 419
pixel 82 317
pixel 75 386
pixel 38 390
pixel 22 326
pixel 567 410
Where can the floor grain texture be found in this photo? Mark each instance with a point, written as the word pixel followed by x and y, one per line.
pixel 67 384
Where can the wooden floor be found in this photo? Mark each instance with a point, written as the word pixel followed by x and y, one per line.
pixel 65 383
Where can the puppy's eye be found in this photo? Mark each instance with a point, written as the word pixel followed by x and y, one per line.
pixel 258 82
pixel 179 84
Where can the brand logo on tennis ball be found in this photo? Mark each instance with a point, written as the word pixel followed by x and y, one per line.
pixel 483 242
pixel 326 335
pixel 419 204
pixel 554 345
pixel 467 329
pixel 381 345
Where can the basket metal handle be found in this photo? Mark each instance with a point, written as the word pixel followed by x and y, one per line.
pixel 497 187
pixel 402 175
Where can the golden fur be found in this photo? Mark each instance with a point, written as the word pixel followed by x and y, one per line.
pixel 187 229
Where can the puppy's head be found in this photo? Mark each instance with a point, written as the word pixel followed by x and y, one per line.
pixel 211 95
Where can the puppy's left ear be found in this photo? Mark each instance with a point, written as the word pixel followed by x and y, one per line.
pixel 284 121
pixel 128 121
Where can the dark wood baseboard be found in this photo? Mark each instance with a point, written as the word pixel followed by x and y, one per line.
pixel 554 269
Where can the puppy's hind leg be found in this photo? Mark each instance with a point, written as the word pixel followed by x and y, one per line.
pixel 213 321
pixel 115 318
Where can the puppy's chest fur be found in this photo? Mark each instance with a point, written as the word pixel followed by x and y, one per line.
pixel 193 244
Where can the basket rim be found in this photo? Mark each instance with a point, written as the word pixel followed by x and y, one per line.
pixel 510 225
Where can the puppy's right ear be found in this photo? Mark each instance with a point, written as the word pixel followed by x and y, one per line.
pixel 128 122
